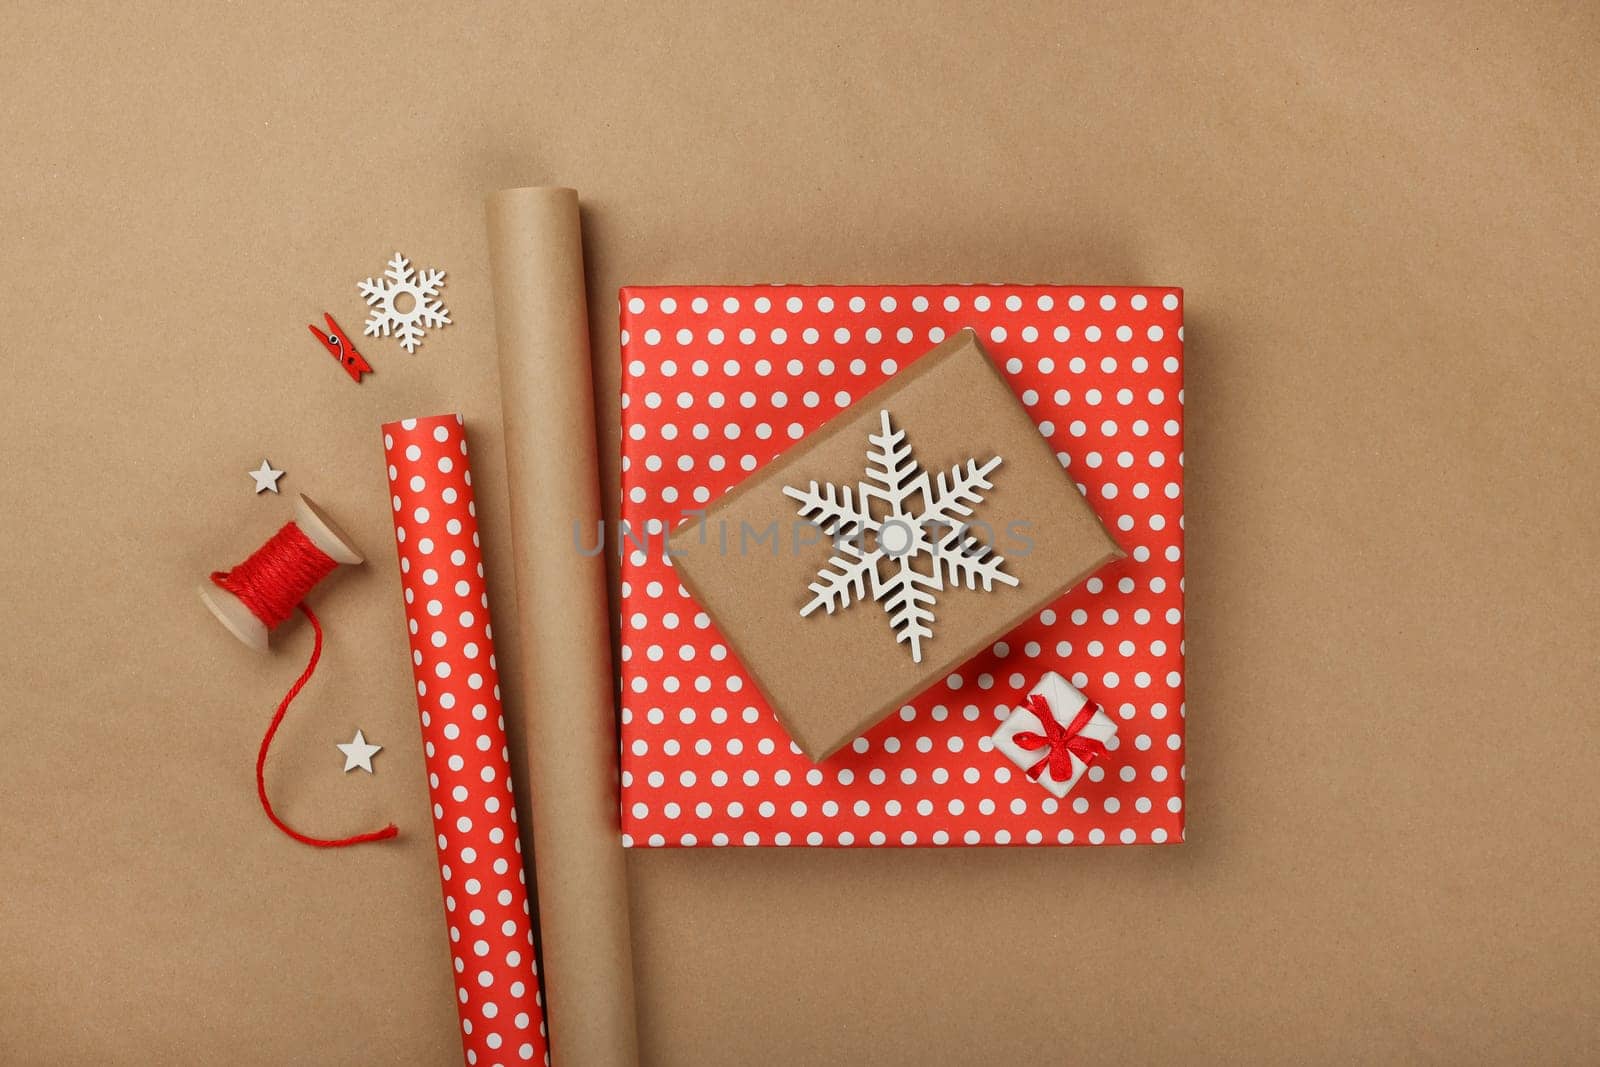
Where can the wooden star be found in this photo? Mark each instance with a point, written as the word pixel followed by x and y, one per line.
pixel 266 478
pixel 359 753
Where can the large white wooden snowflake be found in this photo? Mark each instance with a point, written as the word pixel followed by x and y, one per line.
pixel 917 518
pixel 404 302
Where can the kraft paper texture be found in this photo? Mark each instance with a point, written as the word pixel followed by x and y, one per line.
pixel 830 676
pixel 1385 221
pixel 568 753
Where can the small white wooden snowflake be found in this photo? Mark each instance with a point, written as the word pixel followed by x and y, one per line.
pixel 404 303
pixel 918 517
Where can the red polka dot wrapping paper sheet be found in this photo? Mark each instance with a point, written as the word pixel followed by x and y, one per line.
pixel 457 678
pixel 716 382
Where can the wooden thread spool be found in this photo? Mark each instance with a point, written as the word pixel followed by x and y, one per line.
pixel 274 581
pixel 236 616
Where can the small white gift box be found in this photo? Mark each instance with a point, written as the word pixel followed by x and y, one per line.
pixel 1055 734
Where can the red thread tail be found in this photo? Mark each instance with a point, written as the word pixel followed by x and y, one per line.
pixel 266 743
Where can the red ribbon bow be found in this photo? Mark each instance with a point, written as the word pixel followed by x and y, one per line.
pixel 1060 742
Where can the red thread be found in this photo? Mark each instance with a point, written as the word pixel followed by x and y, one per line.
pixel 278 575
pixel 1060 742
pixel 272 583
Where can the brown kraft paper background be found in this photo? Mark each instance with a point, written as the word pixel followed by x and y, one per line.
pixel 1385 222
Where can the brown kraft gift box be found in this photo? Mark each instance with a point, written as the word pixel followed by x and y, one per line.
pixel 751 558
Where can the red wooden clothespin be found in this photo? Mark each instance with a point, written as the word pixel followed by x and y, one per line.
pixel 340 348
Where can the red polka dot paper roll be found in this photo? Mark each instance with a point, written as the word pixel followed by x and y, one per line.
pixel 464 742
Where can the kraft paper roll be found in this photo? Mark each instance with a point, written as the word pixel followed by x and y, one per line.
pixel 568 755
pixel 464 741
